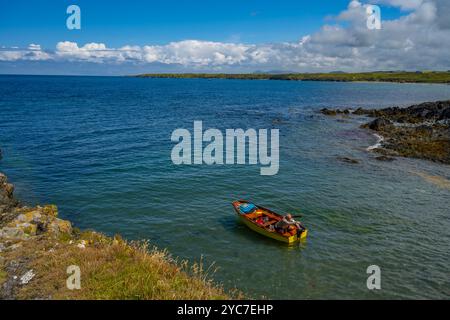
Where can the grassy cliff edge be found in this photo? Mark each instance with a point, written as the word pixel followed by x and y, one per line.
pixel 37 248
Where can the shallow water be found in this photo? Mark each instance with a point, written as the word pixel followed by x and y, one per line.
pixel 99 148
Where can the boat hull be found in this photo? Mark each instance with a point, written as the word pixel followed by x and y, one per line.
pixel 270 234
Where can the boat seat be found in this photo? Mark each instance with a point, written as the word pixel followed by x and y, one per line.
pixel 269 223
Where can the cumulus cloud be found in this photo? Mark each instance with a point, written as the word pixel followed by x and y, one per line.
pixel 33 46
pixel 419 39
pixel 32 53
pixel 92 52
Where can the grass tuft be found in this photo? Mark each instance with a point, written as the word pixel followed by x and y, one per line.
pixel 112 268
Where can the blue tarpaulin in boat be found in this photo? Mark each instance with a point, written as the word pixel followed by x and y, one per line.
pixel 247 208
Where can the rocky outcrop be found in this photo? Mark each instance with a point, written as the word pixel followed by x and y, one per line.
pixel 8 203
pixel 415 114
pixel 37 248
pixel 334 112
pixel 329 112
pixel 20 222
pixel 427 111
pixel 419 131
pixel 38 221
pixel 20 225
pixel 379 124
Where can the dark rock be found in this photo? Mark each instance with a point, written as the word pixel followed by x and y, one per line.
pixel 334 112
pixel 277 121
pixel 384 158
pixel 445 115
pixel 8 203
pixel 328 112
pixel 432 111
pixel 424 131
pixel 348 160
pixel 379 124
pixel 359 111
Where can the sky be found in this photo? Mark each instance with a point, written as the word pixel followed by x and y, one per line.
pixel 128 37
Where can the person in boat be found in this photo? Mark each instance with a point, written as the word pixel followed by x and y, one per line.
pixel 287 223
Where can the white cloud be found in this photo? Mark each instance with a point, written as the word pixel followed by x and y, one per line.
pixel 32 53
pixel 33 46
pixel 8 55
pixel 92 52
pixel 419 39
pixel 197 53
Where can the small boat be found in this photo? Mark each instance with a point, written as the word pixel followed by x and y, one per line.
pixel 262 220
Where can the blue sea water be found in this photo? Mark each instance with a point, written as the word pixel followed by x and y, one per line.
pixel 99 148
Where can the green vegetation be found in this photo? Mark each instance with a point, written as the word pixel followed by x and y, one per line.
pixel 402 77
pixel 3 275
pixel 111 268
pixel 36 243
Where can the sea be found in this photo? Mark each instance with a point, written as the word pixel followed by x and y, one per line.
pixel 100 149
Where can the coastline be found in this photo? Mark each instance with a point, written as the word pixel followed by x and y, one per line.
pixel 419 131
pixel 378 144
pixel 434 77
pixel 37 249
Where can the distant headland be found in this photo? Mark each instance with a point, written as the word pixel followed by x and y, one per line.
pixel 382 76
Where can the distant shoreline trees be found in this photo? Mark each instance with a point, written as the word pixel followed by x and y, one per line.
pixel 400 77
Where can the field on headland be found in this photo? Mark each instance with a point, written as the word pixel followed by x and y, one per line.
pixel 402 77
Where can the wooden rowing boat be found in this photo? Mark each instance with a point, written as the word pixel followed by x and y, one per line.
pixel 263 220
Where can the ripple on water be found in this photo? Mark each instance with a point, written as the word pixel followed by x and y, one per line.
pixel 100 149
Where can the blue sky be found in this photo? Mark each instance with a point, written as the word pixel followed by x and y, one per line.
pixel 115 24
pixel 160 21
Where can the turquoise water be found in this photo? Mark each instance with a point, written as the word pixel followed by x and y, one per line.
pixel 99 148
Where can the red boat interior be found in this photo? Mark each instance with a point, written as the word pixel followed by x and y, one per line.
pixel 266 219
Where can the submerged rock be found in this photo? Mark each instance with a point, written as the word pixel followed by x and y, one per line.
pixel 328 112
pixel 385 158
pixel 439 181
pixel 334 112
pixel 348 160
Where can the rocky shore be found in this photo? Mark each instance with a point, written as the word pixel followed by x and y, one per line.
pixel 38 250
pixel 418 131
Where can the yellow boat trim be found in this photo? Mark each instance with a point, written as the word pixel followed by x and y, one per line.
pixel 273 235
